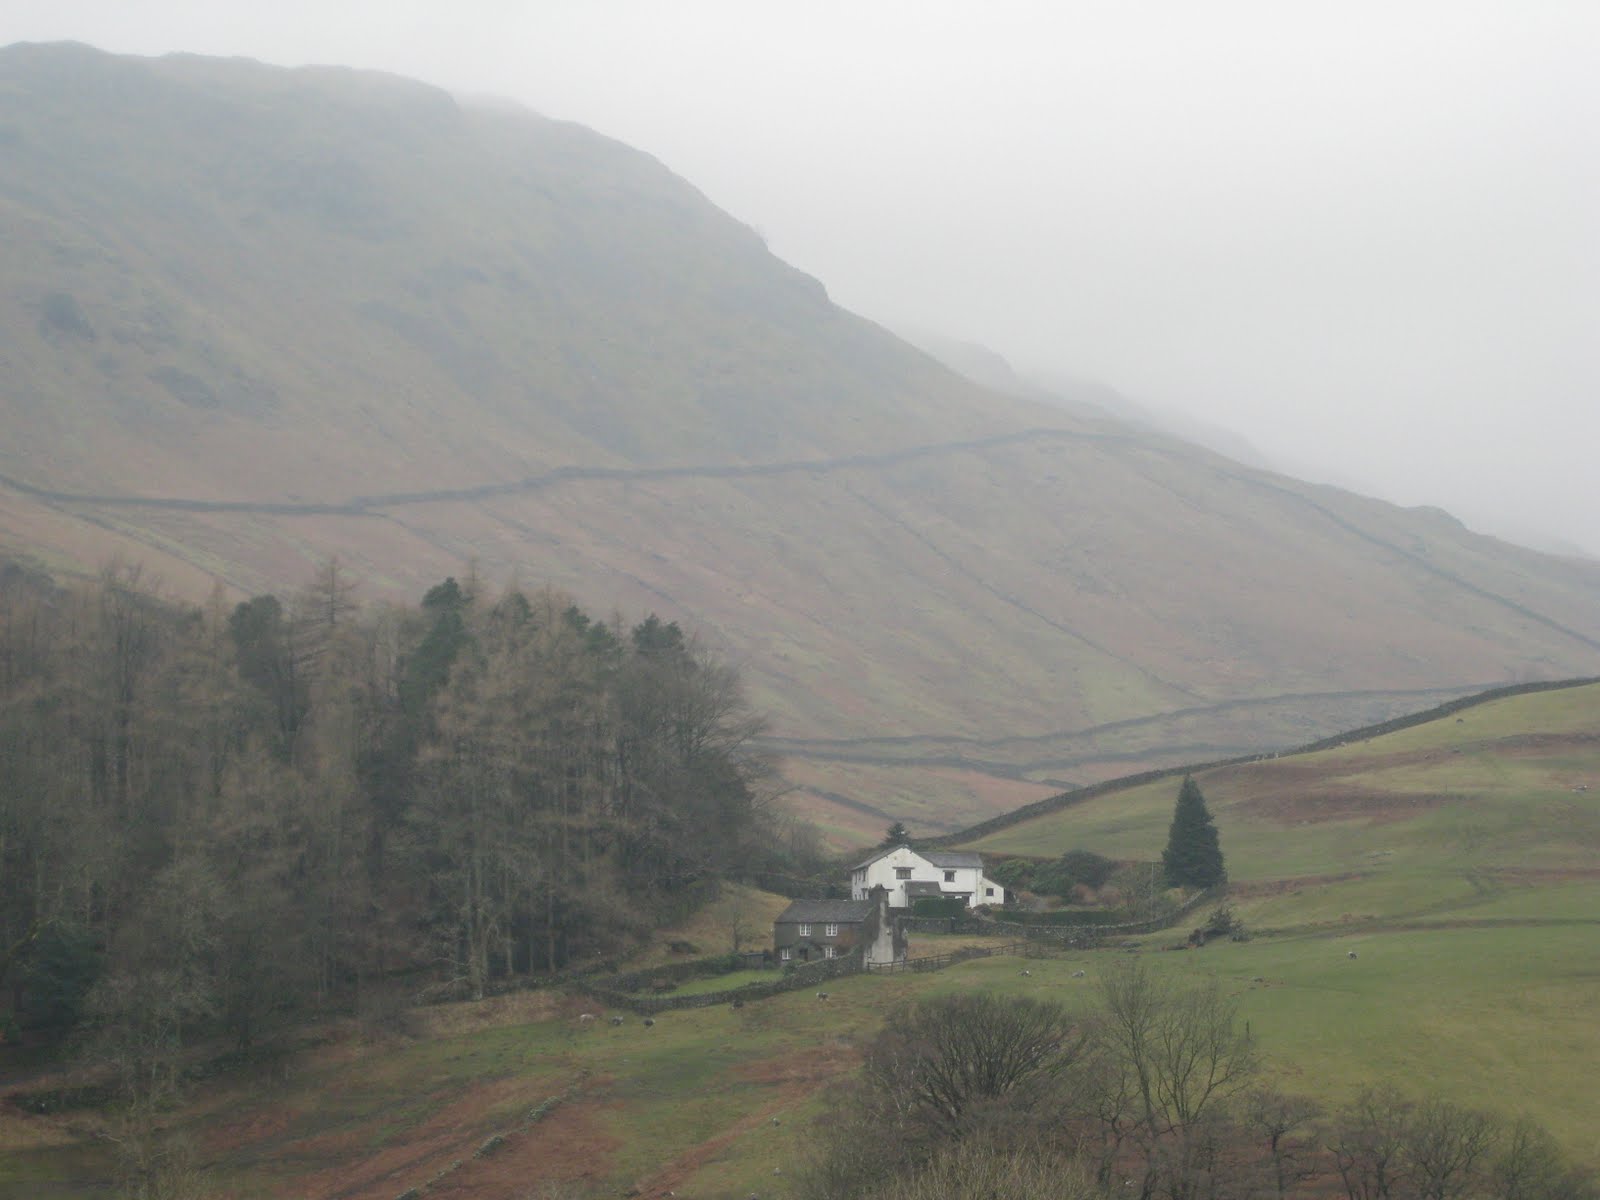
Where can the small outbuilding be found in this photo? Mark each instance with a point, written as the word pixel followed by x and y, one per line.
pixel 812 930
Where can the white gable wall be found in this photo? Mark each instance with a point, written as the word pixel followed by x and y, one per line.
pixel 903 865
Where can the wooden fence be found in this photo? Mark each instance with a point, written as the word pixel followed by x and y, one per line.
pixel 938 962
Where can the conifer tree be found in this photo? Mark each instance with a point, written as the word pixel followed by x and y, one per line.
pixel 1193 857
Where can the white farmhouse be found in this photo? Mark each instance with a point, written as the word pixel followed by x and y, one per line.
pixel 911 874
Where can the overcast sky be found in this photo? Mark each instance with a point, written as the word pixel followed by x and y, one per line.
pixel 1364 234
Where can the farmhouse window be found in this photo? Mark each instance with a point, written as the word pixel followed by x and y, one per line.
pixel 988 891
pixel 949 876
pixel 831 929
pixel 805 931
pixel 902 872
pixel 786 954
pixel 830 952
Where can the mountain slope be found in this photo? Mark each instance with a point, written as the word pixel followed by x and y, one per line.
pixel 252 317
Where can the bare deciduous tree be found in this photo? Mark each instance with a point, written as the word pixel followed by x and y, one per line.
pixel 1445 1147
pixel 1282 1126
pixel 1368 1144
pixel 944 1059
pixel 1168 1056
pixel 1530 1166
pixel 979 1170
pixel 972 1068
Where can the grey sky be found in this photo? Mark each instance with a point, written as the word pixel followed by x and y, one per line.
pixel 1363 234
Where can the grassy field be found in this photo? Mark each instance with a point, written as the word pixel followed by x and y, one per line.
pixel 1488 1016
pixel 1460 858
pixel 1457 860
pixel 1497 806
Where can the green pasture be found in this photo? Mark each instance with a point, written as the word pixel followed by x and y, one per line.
pixel 723 983
pixel 1462 816
pixel 1468 885
pixel 1501 1018
pixel 1460 859
pixel 1497 1016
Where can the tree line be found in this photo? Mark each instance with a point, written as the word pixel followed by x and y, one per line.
pixel 213 817
pixel 1158 1092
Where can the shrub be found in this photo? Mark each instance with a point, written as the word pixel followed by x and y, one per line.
pixel 938 906
pixel 1015 873
pixel 1075 868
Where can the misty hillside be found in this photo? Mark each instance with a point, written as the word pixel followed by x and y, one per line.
pixel 1083 397
pixel 252 317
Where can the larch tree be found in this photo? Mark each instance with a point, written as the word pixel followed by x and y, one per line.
pixel 1193 857
pixel 329 794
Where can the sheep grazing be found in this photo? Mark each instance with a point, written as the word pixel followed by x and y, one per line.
pixel 1027 974
pixel 1351 954
pixel 822 995
pixel 615 1021
pixel 585 1018
pixel 775 1121
pixel 1079 974
pixel 649 1021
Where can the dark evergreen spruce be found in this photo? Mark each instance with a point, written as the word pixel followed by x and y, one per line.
pixel 1193 857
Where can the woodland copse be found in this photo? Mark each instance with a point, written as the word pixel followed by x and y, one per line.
pixel 215 818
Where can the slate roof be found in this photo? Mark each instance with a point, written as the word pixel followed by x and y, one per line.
pixel 844 911
pixel 922 887
pixel 953 858
pixel 936 858
pixel 867 862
